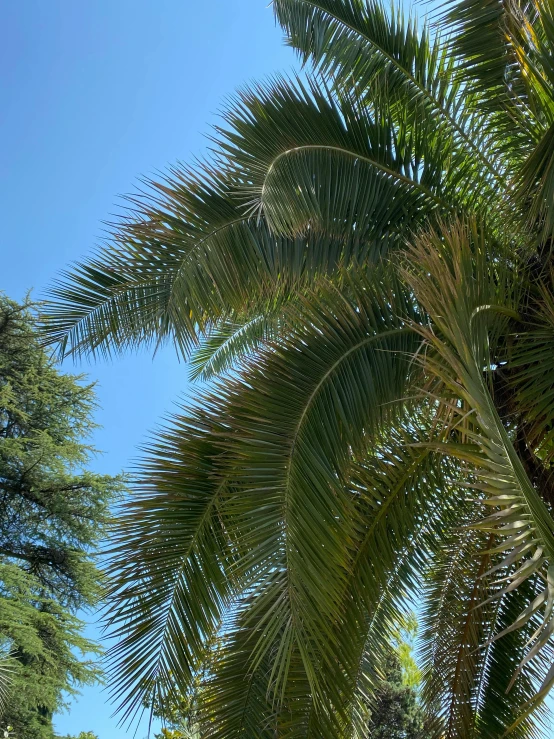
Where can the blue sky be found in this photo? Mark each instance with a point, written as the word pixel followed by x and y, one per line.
pixel 94 95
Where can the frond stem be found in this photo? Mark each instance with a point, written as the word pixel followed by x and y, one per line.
pixel 390 172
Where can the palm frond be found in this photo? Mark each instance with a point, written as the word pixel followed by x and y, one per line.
pixel 366 46
pixel 171 579
pixel 466 292
pixel 316 160
pixel 294 433
pixel 455 625
pixel 408 503
pixel 186 256
pixel 401 497
pixel 228 343
pixel 276 450
pixel 480 37
pixel 7 664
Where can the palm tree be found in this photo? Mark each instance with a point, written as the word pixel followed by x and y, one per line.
pixel 362 273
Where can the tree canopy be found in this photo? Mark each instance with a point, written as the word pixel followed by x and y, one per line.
pixel 363 273
pixel 53 513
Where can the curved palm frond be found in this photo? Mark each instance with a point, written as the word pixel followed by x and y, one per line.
pixel 399 491
pixel 352 170
pixel 464 289
pixel 171 565
pixel 187 256
pixel 368 47
pixel 294 433
pixel 228 343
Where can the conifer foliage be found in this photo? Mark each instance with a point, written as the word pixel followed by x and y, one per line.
pixel 52 515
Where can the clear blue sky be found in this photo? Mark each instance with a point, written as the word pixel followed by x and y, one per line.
pixel 94 95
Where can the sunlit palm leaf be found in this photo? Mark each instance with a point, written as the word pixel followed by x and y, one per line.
pixel 228 343
pixel 7 665
pixel 368 46
pixel 465 291
pixel 351 171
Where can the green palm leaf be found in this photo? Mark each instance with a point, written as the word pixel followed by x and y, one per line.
pixel 293 435
pixel 171 566
pixel 7 664
pixel 229 342
pixel 407 495
pixel 351 171
pixel 365 46
pixel 186 257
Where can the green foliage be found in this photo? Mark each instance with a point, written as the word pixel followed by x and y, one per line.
pixel 396 714
pixel 53 514
pixel 82 735
pixel 363 272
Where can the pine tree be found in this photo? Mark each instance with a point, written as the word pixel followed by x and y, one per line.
pixel 398 714
pixel 52 514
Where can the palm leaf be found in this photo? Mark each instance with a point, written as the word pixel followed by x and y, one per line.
pixel 269 448
pixel 455 626
pixel 465 291
pixel 171 567
pixel 364 46
pixel 480 37
pixel 408 498
pixel 228 343
pixel 185 257
pixel 350 170
pixel 7 664
pixel 530 359
pixel 293 435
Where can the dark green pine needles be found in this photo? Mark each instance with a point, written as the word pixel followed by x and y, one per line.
pixel 52 514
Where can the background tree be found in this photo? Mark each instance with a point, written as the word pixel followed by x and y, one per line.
pixel 396 713
pixel 396 710
pixel 53 513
